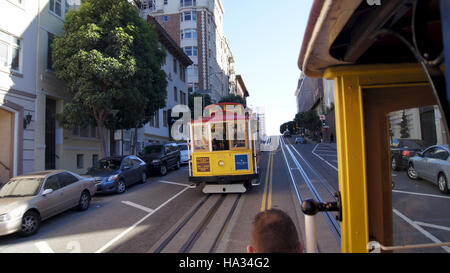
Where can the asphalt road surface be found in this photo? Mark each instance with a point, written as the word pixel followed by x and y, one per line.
pixel 170 215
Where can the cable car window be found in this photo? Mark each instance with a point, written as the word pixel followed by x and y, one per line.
pixel 219 137
pixel 421 179
pixel 201 138
pixel 239 135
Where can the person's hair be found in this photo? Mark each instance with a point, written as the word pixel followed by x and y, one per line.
pixel 274 232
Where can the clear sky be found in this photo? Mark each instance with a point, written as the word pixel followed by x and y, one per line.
pixel 265 38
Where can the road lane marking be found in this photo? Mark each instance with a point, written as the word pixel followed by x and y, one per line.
pixel 331 165
pixel 269 201
pixel 118 237
pixel 432 225
pixel 137 206
pixel 421 230
pixel 264 199
pixel 179 184
pixel 422 194
pixel 44 247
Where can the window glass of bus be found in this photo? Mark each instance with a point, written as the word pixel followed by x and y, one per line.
pixel 238 133
pixel 420 179
pixel 219 137
pixel 201 139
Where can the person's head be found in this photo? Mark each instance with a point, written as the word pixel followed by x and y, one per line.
pixel 274 232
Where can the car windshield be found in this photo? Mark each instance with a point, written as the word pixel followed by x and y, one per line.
pixel 108 163
pixel 413 143
pixel 20 187
pixel 183 147
pixel 153 149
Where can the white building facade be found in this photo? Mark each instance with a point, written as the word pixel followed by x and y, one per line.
pixel 18 35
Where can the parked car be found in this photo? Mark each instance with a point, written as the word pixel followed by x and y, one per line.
pixel 27 200
pixel 115 174
pixel 300 140
pixel 402 149
pixel 185 153
pixel 161 157
pixel 432 164
pixel 287 133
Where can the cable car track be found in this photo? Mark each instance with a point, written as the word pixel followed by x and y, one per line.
pixel 194 235
pixel 333 224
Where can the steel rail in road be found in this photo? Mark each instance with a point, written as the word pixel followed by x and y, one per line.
pixel 334 226
pixel 200 228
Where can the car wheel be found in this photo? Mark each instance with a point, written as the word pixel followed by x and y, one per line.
pixel 121 187
pixel 394 164
pixel 31 222
pixel 442 183
pixel 85 201
pixel 144 177
pixel 412 173
pixel 163 169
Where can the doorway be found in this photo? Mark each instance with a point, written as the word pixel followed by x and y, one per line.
pixel 6 149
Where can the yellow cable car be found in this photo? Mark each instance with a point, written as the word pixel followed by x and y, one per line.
pixel 224 149
pixel 383 56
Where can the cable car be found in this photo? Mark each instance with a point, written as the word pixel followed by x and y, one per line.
pixel 383 56
pixel 225 149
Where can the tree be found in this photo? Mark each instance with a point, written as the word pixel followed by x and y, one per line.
pixel 309 120
pixel 111 62
pixel 404 131
pixel 233 98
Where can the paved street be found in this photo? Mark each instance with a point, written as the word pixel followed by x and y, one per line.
pixel 168 214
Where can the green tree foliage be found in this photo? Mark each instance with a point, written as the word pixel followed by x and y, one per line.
pixel 404 131
pixel 309 120
pixel 111 62
pixel 287 125
pixel 233 98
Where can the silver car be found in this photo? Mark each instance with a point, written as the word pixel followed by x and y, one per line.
pixel 27 200
pixel 433 164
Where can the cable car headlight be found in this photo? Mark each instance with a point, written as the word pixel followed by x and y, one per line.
pixel 221 163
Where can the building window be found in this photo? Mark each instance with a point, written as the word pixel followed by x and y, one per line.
pixel 190 34
pixel 188 16
pixel 190 51
pixel 59 7
pixel 165 2
pixel 165 118
pixel 174 65
pixel 181 97
pixel 193 87
pixel 50 39
pixel 10 51
pixel 188 3
pixel 94 160
pixel 80 163
pixel 175 94
pixel 193 70
pixel 87 132
pixel 157 119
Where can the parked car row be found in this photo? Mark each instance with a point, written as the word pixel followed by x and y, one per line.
pixel 421 162
pixel 27 200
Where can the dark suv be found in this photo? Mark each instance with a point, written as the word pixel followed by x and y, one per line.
pixel 161 157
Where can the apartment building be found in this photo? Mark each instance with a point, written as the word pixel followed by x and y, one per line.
pixel 196 26
pixel 18 35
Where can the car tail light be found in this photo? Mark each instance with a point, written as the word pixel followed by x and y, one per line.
pixel 406 153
